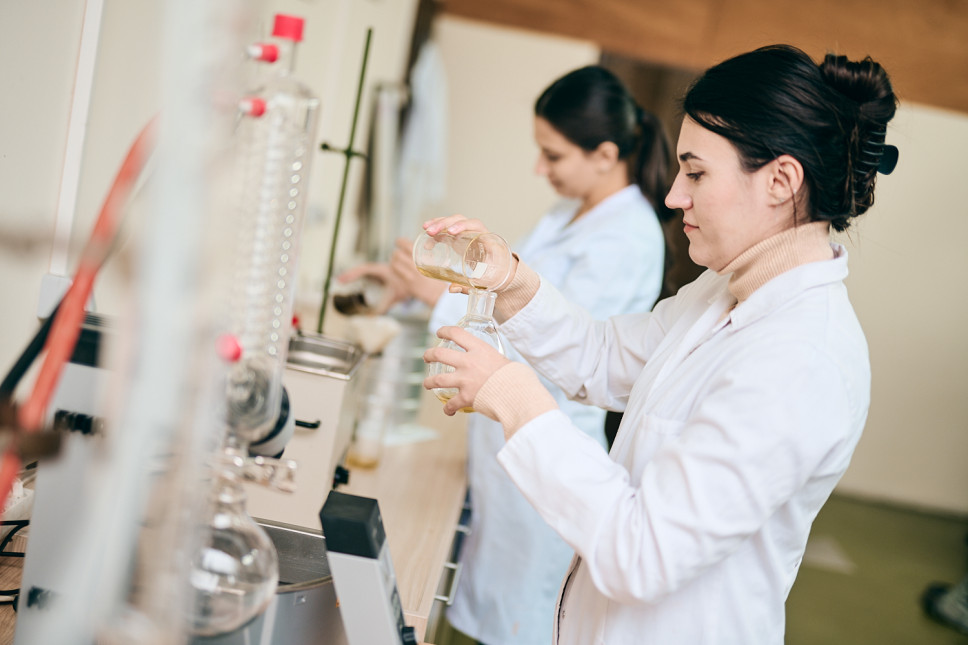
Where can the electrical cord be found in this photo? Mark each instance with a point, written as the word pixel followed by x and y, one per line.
pixel 66 326
pixel 29 355
pixel 17 524
pixel 11 596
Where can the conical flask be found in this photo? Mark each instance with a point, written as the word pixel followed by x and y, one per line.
pixel 479 321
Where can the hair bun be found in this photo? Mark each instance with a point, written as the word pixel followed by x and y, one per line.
pixel 867 104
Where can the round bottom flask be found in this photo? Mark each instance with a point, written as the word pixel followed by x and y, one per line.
pixel 235 571
pixel 479 321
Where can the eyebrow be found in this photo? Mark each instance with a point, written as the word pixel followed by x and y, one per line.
pixel 686 156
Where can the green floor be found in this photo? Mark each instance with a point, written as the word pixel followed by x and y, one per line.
pixel 864 572
pixel 862 576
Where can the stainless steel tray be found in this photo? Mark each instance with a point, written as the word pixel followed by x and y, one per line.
pixel 323 355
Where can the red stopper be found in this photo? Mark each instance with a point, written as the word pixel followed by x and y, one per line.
pixel 228 348
pixel 286 26
pixel 266 52
pixel 253 106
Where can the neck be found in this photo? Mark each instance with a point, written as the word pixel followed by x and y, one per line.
pixel 762 262
pixel 612 182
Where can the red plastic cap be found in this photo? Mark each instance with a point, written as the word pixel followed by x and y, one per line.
pixel 228 348
pixel 266 52
pixel 286 26
pixel 253 105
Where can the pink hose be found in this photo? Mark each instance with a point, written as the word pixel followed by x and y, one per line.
pixel 66 327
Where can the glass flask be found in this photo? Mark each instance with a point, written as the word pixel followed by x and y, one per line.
pixel 472 259
pixel 234 571
pixel 479 321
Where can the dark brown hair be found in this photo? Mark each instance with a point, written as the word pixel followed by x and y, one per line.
pixel 831 117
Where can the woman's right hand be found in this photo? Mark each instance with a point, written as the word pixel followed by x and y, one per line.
pixel 453 224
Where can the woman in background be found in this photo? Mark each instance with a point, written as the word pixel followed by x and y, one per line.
pixel 602 245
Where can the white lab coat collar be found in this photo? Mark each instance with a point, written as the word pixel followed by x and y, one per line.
pixel 789 285
pixel 565 210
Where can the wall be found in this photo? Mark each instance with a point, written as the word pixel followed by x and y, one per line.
pixel 907 258
pixel 39 43
pixel 494 76
pixel 907 254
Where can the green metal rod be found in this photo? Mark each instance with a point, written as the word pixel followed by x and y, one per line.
pixel 349 154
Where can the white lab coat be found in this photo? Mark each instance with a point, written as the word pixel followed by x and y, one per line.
pixel 611 261
pixel 736 430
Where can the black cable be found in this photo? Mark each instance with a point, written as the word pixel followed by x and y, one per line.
pixel 17 525
pixel 13 593
pixel 29 355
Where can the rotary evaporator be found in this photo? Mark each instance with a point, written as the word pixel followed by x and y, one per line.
pixel 235 570
pixel 248 579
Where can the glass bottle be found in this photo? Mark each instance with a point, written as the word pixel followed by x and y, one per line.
pixel 372 419
pixel 479 321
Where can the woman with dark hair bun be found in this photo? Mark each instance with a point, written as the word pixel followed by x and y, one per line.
pixel 602 246
pixel 744 395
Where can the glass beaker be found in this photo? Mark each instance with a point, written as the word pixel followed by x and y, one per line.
pixel 475 260
pixel 479 321
pixel 373 417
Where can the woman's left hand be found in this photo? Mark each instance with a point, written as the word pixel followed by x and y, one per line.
pixel 472 367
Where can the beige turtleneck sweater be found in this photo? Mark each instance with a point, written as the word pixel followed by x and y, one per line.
pixel 513 394
pixel 762 262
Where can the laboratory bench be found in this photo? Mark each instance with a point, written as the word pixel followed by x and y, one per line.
pixel 10 570
pixel 421 490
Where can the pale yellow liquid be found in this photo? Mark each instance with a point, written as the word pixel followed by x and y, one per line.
pixel 447 275
pixel 444 398
pixel 352 459
pixel 364 452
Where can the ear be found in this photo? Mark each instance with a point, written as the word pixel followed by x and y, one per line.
pixel 785 179
pixel 605 155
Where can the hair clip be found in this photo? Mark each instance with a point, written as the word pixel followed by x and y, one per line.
pixel 888 160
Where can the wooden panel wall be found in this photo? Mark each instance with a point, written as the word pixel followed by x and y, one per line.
pixel 923 44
